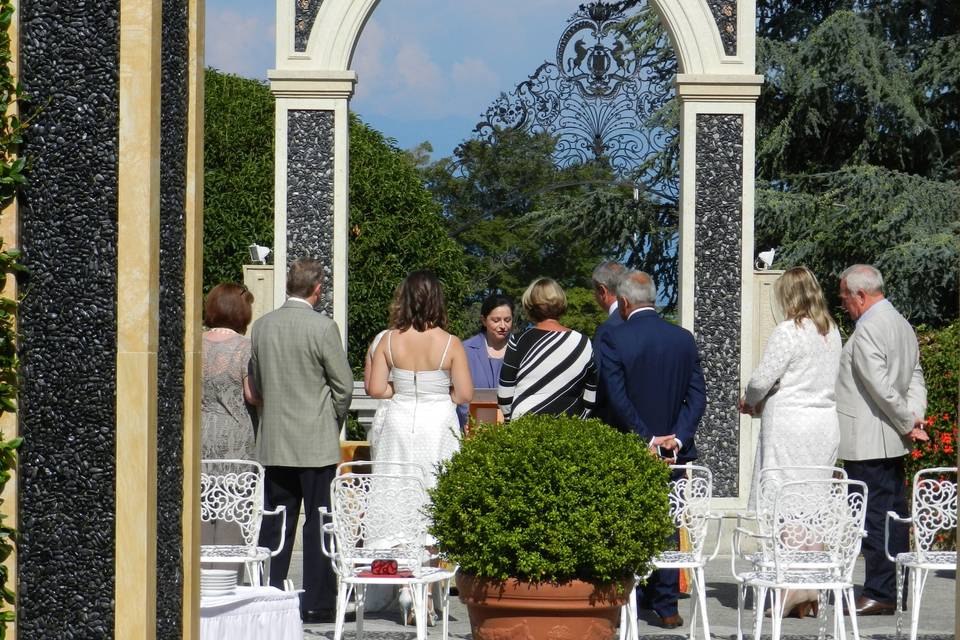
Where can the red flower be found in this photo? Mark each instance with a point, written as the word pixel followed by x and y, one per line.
pixel 946 416
pixel 946 438
pixel 916 454
pixel 948 449
pixel 931 420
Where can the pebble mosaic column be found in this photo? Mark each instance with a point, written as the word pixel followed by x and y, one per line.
pixel 68 338
pixel 718 232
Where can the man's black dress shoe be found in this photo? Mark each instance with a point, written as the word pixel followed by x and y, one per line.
pixel 317 616
pixel 671 622
pixel 870 607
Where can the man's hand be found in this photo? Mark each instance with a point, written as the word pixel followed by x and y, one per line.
pixel 668 443
pixel 919 435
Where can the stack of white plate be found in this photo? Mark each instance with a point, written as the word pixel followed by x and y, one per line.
pixel 217 582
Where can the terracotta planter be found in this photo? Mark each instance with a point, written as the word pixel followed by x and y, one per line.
pixel 514 609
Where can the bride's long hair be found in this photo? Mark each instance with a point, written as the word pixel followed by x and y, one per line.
pixel 800 296
pixel 418 303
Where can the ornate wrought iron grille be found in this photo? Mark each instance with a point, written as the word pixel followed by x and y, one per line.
pixel 605 98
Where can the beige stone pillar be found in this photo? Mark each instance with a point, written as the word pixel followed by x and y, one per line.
pixel 138 287
pixel 193 311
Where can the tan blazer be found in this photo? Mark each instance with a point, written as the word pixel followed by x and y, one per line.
pixel 880 387
pixel 299 366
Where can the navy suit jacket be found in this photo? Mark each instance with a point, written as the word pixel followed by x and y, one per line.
pixel 602 408
pixel 653 380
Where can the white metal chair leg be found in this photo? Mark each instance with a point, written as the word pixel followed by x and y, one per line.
pixel 741 597
pixel 851 605
pixel 360 596
pixel 900 569
pixel 838 596
pixel 342 594
pixel 701 586
pixel 822 615
pixel 694 606
pixel 760 598
pixel 919 580
pixel 445 604
pixel 776 614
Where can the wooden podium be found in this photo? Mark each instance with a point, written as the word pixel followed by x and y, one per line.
pixel 484 406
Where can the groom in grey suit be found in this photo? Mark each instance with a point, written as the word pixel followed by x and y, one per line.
pixel 300 369
pixel 881 400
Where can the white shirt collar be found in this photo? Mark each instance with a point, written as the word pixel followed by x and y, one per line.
pixel 612 309
pixel 636 311
pixel 296 299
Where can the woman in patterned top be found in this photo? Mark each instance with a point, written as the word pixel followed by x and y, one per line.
pixel 548 368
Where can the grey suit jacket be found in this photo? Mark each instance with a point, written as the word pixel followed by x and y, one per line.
pixel 880 387
pixel 299 366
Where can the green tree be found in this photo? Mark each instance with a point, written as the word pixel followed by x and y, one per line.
pixel 858 137
pixel 487 191
pixel 395 228
pixel 238 173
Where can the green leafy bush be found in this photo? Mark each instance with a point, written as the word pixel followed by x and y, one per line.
pixel 551 499
pixel 395 228
pixel 238 173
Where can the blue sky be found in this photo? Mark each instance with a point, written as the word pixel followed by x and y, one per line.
pixel 427 68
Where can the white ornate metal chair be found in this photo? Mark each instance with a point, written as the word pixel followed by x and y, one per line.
pixel 821 515
pixel 375 516
pixel 933 512
pixel 231 491
pixel 689 496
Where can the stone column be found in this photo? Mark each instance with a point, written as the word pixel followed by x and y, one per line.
pixel 716 255
pixel 311 191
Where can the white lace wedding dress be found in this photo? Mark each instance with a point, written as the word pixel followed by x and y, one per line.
pixel 796 376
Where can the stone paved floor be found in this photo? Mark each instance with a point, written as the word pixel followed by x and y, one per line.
pixel 936 622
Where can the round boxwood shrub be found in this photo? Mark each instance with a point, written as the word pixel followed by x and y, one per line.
pixel 551 499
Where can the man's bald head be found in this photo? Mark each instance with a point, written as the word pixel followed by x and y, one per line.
pixel 637 289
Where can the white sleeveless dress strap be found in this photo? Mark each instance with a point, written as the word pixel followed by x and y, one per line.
pixel 390 348
pixel 443 357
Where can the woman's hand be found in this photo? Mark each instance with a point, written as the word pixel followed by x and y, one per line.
pixel 743 407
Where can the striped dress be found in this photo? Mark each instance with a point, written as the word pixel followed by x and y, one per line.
pixel 547 372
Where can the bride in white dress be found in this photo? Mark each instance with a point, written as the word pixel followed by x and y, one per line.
pixel 793 390
pixel 423 372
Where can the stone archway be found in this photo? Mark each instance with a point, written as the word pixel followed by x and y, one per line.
pixel 715 45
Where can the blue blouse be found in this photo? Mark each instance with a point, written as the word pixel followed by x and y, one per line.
pixel 484 370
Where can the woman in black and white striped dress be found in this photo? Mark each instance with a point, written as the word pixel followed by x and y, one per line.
pixel 548 368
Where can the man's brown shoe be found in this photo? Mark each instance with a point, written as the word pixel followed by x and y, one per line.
pixel 671 622
pixel 870 607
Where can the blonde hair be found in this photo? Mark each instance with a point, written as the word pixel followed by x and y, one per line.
pixel 544 299
pixel 800 296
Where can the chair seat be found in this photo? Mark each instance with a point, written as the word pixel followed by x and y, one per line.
pixel 813 579
pixel 931 560
pixel 812 559
pixel 223 553
pixel 677 560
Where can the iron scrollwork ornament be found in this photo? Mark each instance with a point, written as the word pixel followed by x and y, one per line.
pixel 599 98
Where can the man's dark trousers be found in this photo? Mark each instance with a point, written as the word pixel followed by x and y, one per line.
pixel 289 486
pixel 887 491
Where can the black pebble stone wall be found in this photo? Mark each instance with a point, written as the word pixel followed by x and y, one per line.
pixel 725 15
pixel 310 192
pixel 68 223
pixel 717 273
pixel 304 17
pixel 170 362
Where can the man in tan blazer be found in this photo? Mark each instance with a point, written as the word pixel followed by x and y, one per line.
pixel 881 400
pixel 300 369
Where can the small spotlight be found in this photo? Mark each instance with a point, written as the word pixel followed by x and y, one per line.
pixel 258 254
pixel 765 259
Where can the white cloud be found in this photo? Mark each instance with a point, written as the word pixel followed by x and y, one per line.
pixel 239 43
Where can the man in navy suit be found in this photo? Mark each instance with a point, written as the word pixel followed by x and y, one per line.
pixel 655 388
pixel 605 278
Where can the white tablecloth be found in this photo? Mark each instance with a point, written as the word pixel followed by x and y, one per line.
pixel 251 613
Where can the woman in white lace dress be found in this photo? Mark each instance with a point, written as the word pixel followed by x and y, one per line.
pixel 793 390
